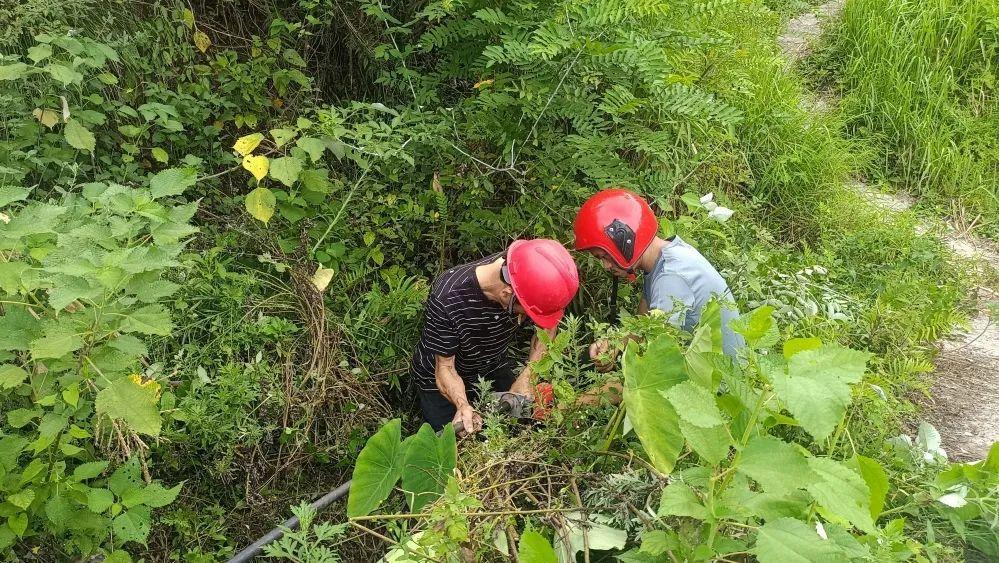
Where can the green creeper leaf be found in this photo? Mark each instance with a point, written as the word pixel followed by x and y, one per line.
pixel 127 476
pixel 10 449
pixel 775 464
pixel 170 233
pixel 877 481
pixel 79 137
pixel 22 499
pixel 133 401
pixel 680 500
pixel 770 506
pixel 99 500
pixel 154 496
pixel 313 146
pixel 18 523
pixel 429 461
pixel 316 180
pixel 69 289
pixel 705 346
pixel 129 345
pixel 52 424
pixel 286 169
pixel 59 511
pixel 792 541
pixel 757 327
pixel 64 74
pixel 172 181
pixel 71 395
pixel 658 542
pixel 159 155
pixel 712 444
pixel 282 136
pixel 151 319
pixel 694 404
pixel 377 469
pixel 40 52
pixel 132 525
pixel 842 492
pixel 10 194
pixel 654 420
pixel 10 276
pixel 13 72
pixel 816 386
pixel 55 344
pixel 11 376
pixel 534 548
pixel 260 204
pixel 17 418
pixel 795 345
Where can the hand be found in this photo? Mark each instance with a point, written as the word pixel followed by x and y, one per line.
pixel 470 422
pixel 600 348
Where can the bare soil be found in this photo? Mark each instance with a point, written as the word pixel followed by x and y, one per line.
pixel 964 398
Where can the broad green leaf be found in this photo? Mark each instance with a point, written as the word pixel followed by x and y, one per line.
pixel 118 557
pixel 170 233
pixel 679 499
pixel 694 404
pixel 260 204
pixel 795 345
pixel 172 181
pixel 11 447
pixel 63 73
pixel 71 395
pixel 286 169
pixel 133 401
pixel 877 481
pixel 40 52
pixel 13 71
pixel 712 444
pixel 127 476
pixel 130 345
pixel 99 500
pixel 18 418
pixel 841 492
pixel 757 327
pixel 79 137
pixel 59 511
pixel 55 344
pixel 991 462
pixel 89 470
pixel 775 464
pixel 246 144
pixel 10 276
pixel 316 180
pixel 256 165
pixel 429 461
pixel 705 346
pixel 52 423
pixel 22 499
pixel 377 469
pixel 534 548
pixel 282 136
pixel 313 146
pixel 18 523
pixel 159 155
pixel 816 386
pixel 153 495
pixel 151 319
pixel 654 420
pixel 10 194
pixel 47 117
pixel 11 376
pixel 792 541
pixel 132 525
pixel 658 542
pixel 770 506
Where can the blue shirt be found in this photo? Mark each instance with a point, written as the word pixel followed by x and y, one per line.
pixel 681 284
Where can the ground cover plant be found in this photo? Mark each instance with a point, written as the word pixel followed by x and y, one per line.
pixel 218 227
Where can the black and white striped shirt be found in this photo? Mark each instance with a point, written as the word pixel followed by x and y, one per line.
pixel 460 321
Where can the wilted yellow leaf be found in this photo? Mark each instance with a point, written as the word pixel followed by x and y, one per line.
pixel 4 218
pixel 47 117
pixel 436 184
pixel 483 83
pixel 201 41
pixel 321 279
pixel 257 165
pixel 245 145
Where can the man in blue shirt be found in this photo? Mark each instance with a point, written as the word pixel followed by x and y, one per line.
pixel 620 229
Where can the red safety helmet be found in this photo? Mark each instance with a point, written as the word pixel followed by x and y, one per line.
pixel 618 222
pixel 544 278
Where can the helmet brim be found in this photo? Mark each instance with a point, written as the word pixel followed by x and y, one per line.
pixel 548 321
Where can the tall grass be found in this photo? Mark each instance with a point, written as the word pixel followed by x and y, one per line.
pixel 919 86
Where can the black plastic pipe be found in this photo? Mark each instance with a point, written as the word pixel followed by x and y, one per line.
pixel 291 524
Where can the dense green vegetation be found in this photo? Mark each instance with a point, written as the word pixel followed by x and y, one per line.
pixel 219 226
pixel 918 79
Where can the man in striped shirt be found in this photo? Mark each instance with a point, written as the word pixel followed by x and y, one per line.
pixel 473 312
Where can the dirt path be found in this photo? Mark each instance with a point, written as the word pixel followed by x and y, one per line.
pixel 964 399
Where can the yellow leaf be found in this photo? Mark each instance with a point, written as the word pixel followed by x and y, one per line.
pixel 47 117
pixel 245 145
pixel 436 184
pixel 483 83
pixel 188 18
pixel 321 279
pixel 257 165
pixel 260 204
pixel 201 41
pixel 4 218
pixel 149 384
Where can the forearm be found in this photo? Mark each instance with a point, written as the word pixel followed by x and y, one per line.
pixel 522 384
pixel 450 384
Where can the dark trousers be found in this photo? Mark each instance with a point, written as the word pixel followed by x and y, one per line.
pixel 438 411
